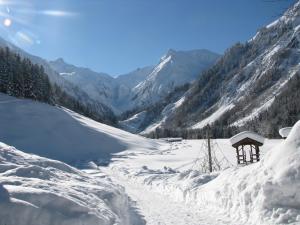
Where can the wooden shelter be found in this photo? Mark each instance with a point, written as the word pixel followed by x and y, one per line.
pixel 247 146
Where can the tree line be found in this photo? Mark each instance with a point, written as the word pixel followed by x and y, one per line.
pixel 285 111
pixel 21 78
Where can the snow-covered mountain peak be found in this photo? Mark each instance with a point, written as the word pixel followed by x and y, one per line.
pixel 62 67
pixel 141 86
pixel 289 20
pixel 170 53
pixel 202 54
pixel 59 60
pixel 174 69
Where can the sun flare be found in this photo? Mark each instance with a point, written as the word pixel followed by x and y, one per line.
pixel 7 22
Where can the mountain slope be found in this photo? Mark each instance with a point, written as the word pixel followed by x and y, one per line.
pixel 133 78
pixel 99 86
pixel 141 87
pixel 176 68
pixel 246 80
pixel 114 92
pixel 69 90
pixel 61 134
pixel 148 118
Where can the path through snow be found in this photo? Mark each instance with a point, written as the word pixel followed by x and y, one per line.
pixel 158 194
pixel 159 209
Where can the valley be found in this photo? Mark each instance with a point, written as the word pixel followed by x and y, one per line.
pixel 197 138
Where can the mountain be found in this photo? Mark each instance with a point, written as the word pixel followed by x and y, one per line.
pixel 114 92
pixel 143 86
pixel 163 90
pixel 99 86
pixel 147 119
pixel 176 68
pixel 247 80
pixel 135 77
pixel 64 92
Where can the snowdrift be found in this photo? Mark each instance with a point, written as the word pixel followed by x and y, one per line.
pixel 262 193
pixel 32 193
pixel 61 134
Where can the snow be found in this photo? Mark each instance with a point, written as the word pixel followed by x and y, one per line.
pixel 157 208
pixel 166 112
pixel 36 190
pixel 284 132
pixel 133 123
pixel 261 193
pixel 159 178
pixel 168 177
pixel 213 117
pixel 273 49
pixel 180 156
pixel 254 113
pixel 274 23
pixel 142 86
pixel 54 77
pixel 179 102
pixel 135 77
pixel 61 134
pixel 176 68
pixel 152 127
pixel 246 134
pixel 67 74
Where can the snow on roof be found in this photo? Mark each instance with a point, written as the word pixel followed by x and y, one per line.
pixel 246 134
pixel 284 132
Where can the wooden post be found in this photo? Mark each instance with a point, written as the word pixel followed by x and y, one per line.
pixel 237 155
pixel 251 154
pixel 244 155
pixel 209 150
pixel 257 153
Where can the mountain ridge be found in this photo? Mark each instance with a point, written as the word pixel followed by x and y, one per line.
pixel 245 82
pixel 140 87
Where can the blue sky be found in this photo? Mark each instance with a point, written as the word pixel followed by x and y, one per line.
pixel 117 36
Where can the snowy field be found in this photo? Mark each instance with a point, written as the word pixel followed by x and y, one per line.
pixel 159 181
pixel 146 181
pixel 61 134
pixel 168 180
pixel 183 155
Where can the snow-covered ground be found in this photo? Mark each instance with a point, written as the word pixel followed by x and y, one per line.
pixel 162 182
pixel 182 156
pixel 39 191
pixel 170 180
pixel 61 134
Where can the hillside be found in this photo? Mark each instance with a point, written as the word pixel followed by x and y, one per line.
pixel 61 134
pixel 63 92
pixel 245 82
pixel 175 69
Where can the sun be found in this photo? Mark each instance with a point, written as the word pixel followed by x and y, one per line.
pixel 7 22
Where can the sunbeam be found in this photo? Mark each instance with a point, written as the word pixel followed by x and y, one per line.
pixel 17 21
pixel 55 13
